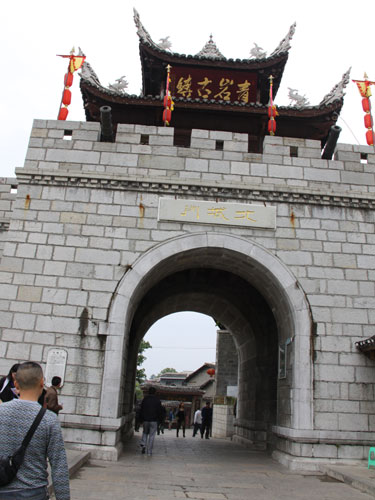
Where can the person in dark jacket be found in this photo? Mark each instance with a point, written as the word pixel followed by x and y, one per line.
pixel 180 416
pixel 150 415
pixel 206 420
pixel 161 423
pixel 7 387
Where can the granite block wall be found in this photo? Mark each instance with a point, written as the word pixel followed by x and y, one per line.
pixel 84 211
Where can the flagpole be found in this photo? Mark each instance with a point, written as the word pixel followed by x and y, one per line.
pixel 75 62
pixel 372 120
pixel 168 103
pixel 167 89
pixel 62 95
pixel 365 91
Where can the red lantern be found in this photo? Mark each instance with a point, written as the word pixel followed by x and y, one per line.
pixel 63 114
pixel 271 126
pixel 368 121
pixel 67 97
pixel 211 372
pixel 271 111
pixel 366 104
pixel 167 102
pixel 167 115
pixel 370 137
pixel 68 79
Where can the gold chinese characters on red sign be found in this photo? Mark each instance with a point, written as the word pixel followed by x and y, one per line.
pixel 216 84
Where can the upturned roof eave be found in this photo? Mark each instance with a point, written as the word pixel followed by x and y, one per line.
pixel 205 104
pixel 183 59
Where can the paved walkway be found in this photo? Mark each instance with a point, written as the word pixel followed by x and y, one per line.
pixel 196 468
pixel 358 476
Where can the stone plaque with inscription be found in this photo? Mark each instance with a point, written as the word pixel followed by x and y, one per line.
pixel 207 212
pixel 56 364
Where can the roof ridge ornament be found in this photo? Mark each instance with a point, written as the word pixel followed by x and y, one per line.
pixel 210 50
pixel 284 45
pixel 297 100
pixel 165 43
pixel 257 52
pixel 120 86
pixel 87 73
pixel 337 92
pixel 142 33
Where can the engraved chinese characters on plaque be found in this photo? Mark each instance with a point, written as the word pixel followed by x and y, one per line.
pixel 206 212
pixel 56 364
pixel 217 84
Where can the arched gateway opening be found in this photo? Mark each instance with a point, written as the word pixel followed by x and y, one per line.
pixel 245 288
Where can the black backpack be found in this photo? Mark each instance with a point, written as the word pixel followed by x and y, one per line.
pixel 9 466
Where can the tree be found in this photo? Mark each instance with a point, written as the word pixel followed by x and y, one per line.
pixel 141 373
pixel 138 391
pixel 167 370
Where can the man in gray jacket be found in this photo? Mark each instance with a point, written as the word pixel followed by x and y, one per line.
pixel 16 417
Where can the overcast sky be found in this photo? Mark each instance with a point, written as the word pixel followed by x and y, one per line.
pixel 331 36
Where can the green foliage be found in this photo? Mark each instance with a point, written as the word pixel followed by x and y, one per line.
pixel 138 391
pixel 167 370
pixel 141 373
pixel 219 325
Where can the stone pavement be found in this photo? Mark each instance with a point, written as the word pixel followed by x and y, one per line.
pixel 358 476
pixel 196 468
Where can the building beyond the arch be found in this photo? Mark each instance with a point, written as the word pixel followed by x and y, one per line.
pixel 102 239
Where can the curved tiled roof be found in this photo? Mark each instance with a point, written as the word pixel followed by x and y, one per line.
pixel 210 51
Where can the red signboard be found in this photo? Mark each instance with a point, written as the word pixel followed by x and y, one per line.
pixel 217 84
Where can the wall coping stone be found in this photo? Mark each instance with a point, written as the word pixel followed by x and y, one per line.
pixel 271 193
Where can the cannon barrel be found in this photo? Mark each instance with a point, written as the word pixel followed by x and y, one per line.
pixel 106 134
pixel 333 137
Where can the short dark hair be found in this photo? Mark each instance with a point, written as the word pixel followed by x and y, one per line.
pixel 152 390
pixel 56 381
pixel 28 375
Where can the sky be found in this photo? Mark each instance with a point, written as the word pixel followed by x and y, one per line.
pixel 183 341
pixel 330 37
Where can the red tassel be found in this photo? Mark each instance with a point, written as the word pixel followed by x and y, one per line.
pixel 271 111
pixel 271 126
pixel 167 115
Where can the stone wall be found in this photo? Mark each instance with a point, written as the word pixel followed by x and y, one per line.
pixel 8 188
pixel 223 418
pixel 81 152
pixel 85 211
pixel 226 362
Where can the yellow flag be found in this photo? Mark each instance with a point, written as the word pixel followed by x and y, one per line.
pixel 75 63
pixel 364 87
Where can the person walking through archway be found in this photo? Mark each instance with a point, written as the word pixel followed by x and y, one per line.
pixel 180 416
pixel 197 421
pixel 150 415
pixel 206 420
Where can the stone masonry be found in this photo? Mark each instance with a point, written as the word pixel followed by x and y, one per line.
pixel 81 237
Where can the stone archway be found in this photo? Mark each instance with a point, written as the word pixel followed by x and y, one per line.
pixel 260 302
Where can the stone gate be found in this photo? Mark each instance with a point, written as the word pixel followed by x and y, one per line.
pixel 101 240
